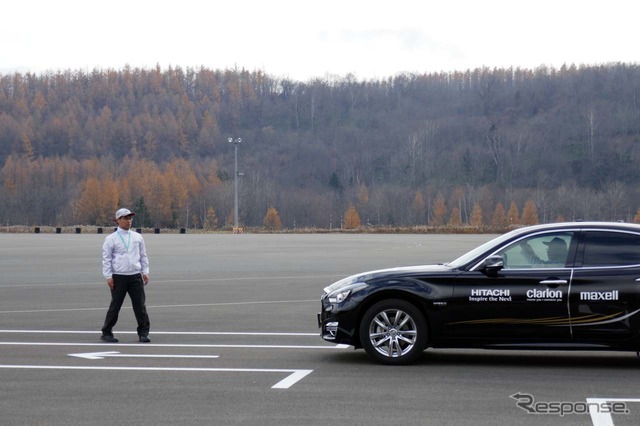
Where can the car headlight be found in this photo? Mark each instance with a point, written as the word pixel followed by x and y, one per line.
pixel 340 295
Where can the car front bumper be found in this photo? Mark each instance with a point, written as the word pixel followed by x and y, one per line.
pixel 337 327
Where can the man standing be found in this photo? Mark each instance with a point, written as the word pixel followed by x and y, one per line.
pixel 125 266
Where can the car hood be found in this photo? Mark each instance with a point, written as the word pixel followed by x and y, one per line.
pixel 380 273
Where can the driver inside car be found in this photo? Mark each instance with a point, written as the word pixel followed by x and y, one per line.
pixel 556 253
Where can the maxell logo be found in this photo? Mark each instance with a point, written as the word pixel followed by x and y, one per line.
pixel 599 295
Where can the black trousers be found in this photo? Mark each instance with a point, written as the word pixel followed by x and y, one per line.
pixel 134 286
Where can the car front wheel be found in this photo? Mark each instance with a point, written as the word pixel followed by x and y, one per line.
pixel 393 332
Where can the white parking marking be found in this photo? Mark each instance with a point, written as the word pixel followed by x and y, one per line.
pixel 600 418
pixel 177 333
pixel 167 345
pixel 293 377
pixel 195 280
pixel 196 305
pixel 115 354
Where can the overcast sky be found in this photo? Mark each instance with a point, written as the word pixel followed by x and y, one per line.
pixel 302 39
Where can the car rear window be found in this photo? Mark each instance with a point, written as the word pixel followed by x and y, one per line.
pixel 611 249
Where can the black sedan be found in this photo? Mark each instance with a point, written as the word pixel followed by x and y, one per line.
pixel 555 286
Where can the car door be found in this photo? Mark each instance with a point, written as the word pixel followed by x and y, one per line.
pixel 605 291
pixel 526 301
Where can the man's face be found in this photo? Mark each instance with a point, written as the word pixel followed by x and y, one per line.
pixel 125 222
pixel 557 253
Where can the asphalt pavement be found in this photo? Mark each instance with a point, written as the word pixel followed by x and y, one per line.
pixel 235 342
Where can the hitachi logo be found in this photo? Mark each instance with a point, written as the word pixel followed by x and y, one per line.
pixel 599 295
pixel 487 292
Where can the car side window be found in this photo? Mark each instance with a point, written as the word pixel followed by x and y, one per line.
pixel 611 249
pixel 540 251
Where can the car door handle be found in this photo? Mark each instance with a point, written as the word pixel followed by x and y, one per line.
pixel 637 279
pixel 553 282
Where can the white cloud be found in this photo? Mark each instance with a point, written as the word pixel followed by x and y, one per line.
pixel 304 39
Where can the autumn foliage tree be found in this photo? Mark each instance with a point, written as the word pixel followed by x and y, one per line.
pixel 98 201
pixel 161 135
pixel 513 217
pixel 439 211
pixel 476 216
pixel 455 219
pixel 529 214
pixel 499 218
pixel 419 206
pixel 363 195
pixel 352 218
pixel 211 220
pixel 272 219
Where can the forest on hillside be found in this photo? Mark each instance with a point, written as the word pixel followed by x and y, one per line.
pixel 412 149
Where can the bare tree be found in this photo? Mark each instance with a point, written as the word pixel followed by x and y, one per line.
pixel 590 116
pixel 615 195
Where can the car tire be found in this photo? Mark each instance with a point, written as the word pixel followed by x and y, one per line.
pixel 393 332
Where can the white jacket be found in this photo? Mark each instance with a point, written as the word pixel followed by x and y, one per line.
pixel 124 253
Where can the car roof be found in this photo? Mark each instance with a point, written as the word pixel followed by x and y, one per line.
pixel 620 226
pixel 558 226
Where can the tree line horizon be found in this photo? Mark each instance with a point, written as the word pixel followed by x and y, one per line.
pixel 437 149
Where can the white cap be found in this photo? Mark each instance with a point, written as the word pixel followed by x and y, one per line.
pixel 124 212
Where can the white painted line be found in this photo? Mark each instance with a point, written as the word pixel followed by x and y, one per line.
pixel 114 354
pixel 293 377
pixel 199 305
pixel 195 280
pixel 177 333
pixel 196 305
pixel 600 418
pixel 32 311
pixel 162 345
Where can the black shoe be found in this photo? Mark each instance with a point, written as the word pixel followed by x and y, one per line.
pixel 144 339
pixel 109 339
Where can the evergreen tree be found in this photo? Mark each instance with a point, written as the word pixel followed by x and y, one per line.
pixel 334 183
pixel 143 218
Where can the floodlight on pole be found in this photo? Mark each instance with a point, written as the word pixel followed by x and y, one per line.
pixel 236 142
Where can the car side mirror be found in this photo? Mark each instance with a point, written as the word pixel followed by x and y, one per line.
pixel 492 264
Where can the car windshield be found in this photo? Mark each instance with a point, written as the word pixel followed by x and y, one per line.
pixel 468 257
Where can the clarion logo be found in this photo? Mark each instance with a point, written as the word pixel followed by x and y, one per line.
pixel 599 295
pixel 544 294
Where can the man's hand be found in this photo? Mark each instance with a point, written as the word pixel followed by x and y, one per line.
pixel 526 249
pixel 110 283
pixel 145 278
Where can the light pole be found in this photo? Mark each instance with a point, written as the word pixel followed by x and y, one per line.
pixel 235 143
